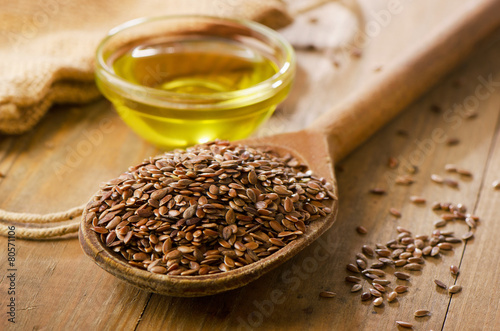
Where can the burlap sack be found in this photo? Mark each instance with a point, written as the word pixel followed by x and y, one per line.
pixel 47 47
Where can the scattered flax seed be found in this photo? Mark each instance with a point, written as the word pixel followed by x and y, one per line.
pixel 392 162
pixel 468 235
pixel 367 250
pixel 327 294
pixel 470 222
pixel 405 180
pixel 383 282
pixel 356 287
pixel 375 293
pixel 496 184
pixel 435 251
pixel 401 289
pixel 454 270
pixel 366 296
pixel 440 284
pixel 450 167
pixel 400 229
pixel 401 275
pixel 417 199
pixel 439 223
pixel 2 175
pixel 392 296
pixel 437 179
pixel 353 279
pixel 464 172
pixel 450 182
pixel 454 289
pixel 422 312
pixel 378 302
pixel 445 246
pixel 452 141
pixel 395 212
pixel 377 191
pixel 352 268
pixel 404 324
pixel 361 230
pixel 413 267
pixel 379 287
pixel 436 206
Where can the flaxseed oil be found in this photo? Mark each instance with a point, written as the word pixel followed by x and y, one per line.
pixel 197 72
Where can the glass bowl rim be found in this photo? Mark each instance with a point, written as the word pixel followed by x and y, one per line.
pixel 272 84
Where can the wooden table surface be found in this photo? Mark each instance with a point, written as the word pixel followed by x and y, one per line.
pixel 62 162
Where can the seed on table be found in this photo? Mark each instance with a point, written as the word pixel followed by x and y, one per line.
pixel 453 240
pixel 377 191
pixel 352 268
pixel 421 313
pixel 448 217
pixel 367 250
pixel 400 263
pixel 353 279
pixel 327 294
pixel 455 289
pixel 452 141
pixel 413 267
pixel 401 275
pixel 356 287
pixel 440 284
pixel 435 251
pixel 496 184
pixel 375 293
pixel 454 270
pixel 361 264
pixel 392 162
pixel 400 229
pixel 404 180
pixel 427 250
pixel 392 296
pixel 464 172
pixel 445 206
pixel 405 255
pixel 450 167
pixel 404 324
pixel 401 289
pixel 371 276
pixel 445 246
pixel 379 287
pixel 386 261
pixel 417 199
pixel 468 235
pixel 383 282
pixel 450 182
pixel 470 222
pixel 383 252
pixel 437 179
pixel 395 212
pixel 158 270
pixel 419 260
pixel 439 223
pixel 377 272
pixel 361 230
pixel 366 296
pixel 378 301
pixel 436 206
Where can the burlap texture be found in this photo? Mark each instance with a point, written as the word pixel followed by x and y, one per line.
pixel 47 47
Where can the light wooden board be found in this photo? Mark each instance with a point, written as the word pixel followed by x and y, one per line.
pixel 61 163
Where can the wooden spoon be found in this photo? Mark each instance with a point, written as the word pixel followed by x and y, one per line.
pixel 332 136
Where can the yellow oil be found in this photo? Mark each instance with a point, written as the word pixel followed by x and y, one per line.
pixel 194 67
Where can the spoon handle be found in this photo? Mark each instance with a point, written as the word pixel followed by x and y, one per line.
pixel 401 82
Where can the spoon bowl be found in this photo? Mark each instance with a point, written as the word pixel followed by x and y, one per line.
pixel 331 137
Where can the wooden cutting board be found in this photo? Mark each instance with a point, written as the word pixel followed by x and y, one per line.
pixel 60 164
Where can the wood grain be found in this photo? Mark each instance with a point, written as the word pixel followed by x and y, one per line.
pixel 59 288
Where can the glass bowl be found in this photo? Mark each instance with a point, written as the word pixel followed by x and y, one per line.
pixel 182 80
